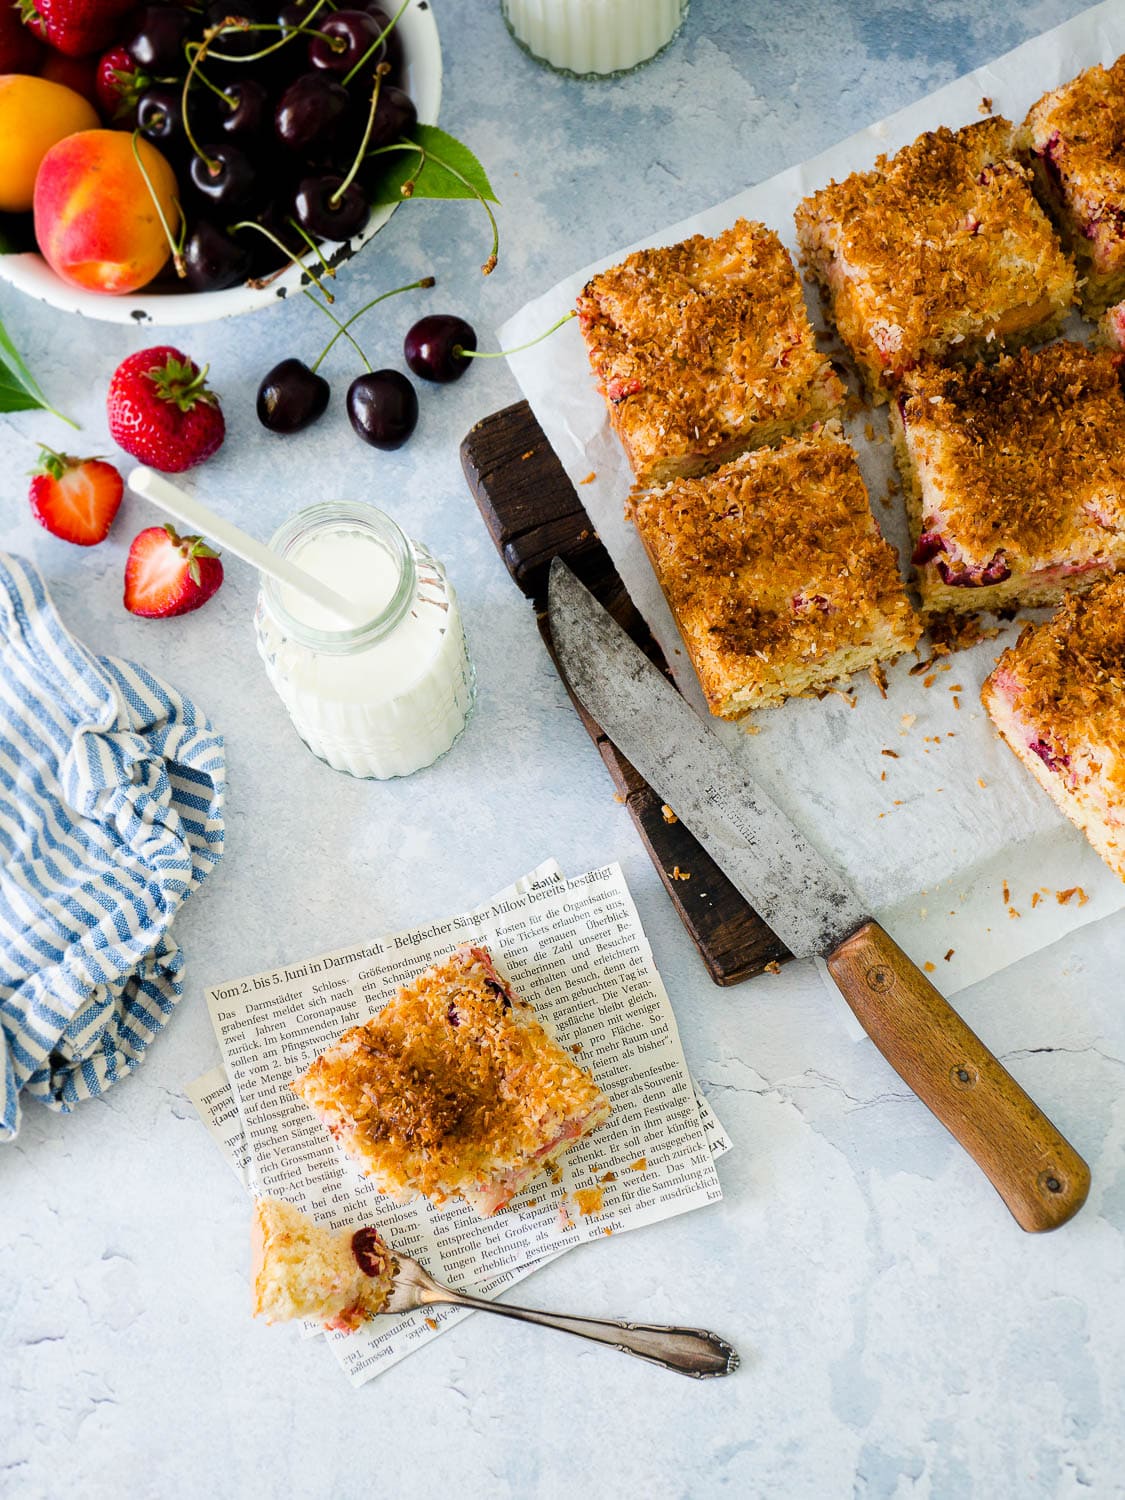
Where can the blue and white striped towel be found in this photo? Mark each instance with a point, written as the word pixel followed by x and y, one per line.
pixel 111 794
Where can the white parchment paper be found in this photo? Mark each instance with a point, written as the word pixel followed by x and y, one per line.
pixel 946 839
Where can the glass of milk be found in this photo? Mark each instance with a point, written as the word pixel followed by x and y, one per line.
pixel 593 38
pixel 383 699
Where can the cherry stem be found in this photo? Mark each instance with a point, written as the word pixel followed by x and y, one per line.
pixel 317 251
pixel 426 281
pixel 503 353
pixel 386 31
pixel 197 55
pixel 293 260
pixel 380 73
pixel 341 326
pixel 408 188
pixel 176 246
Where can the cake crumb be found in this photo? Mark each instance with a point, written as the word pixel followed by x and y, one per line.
pixel 985 106
pixel 950 954
pixel 667 814
pixel 981 782
pixel 1006 893
pixel 590 477
pixel 892 753
pixel 525 456
pixel 1012 912
pixel 907 721
pixel 882 775
pixel 640 1165
pixel 617 797
pixel 928 682
pixel 607 1231
pixel 878 677
pixel 576 1047
pixel 1065 897
pixel 608 1177
pixel 588 1201
pixel 431 1323
pixel 929 967
pixel 1035 899
pixel 532 1202
pixel 956 701
pixel 921 666
pixel 773 967
pixel 678 874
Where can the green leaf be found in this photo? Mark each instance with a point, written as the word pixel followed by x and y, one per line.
pixel 448 169
pixel 19 389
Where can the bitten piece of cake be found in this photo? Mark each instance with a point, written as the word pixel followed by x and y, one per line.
pixel 1058 698
pixel 1014 476
pixel 704 350
pixel 1075 138
pixel 302 1270
pixel 776 573
pixel 939 252
pixel 454 1089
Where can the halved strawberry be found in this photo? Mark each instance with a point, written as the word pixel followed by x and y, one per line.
pixel 166 574
pixel 75 498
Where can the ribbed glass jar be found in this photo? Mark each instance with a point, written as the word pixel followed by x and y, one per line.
pixel 383 699
pixel 594 38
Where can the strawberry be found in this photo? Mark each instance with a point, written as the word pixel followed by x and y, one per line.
pixel 74 27
pixel 166 574
pixel 162 412
pixel 75 498
pixel 119 83
pixel 20 52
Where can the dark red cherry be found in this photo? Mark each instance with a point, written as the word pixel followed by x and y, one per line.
pixel 239 41
pixel 395 116
pixel 223 176
pixel 160 116
pixel 325 216
pixel 213 260
pixel 369 1253
pixel 383 408
pixel 291 397
pixel 310 111
pixel 345 38
pixel 247 110
pixel 431 347
pixel 156 39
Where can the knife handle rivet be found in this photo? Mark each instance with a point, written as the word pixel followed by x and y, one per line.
pixel 963 1076
pixel 880 978
pixel 1050 1182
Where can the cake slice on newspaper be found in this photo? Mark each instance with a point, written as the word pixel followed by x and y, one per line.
pixel 455 1089
pixel 1014 476
pixel 704 349
pixel 1075 137
pixel 776 572
pixel 940 252
pixel 1058 698
pixel 302 1270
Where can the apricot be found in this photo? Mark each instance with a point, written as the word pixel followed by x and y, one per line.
pixel 34 115
pixel 95 219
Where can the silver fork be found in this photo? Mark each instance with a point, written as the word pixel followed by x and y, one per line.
pixel 691 1351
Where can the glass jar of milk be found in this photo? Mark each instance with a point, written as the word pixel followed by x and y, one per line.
pixel 593 38
pixel 383 699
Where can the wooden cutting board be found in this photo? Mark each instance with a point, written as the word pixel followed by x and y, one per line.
pixel 534 514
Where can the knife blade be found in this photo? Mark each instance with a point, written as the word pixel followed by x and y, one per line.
pixel 1041 1178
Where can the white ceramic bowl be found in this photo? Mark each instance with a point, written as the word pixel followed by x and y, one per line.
pixel 30 273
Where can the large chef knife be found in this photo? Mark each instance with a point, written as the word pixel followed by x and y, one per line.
pixel 1031 1165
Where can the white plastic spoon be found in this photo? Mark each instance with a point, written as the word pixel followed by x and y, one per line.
pixel 169 497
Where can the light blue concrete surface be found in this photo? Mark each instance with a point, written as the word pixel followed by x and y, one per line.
pixel 901 1336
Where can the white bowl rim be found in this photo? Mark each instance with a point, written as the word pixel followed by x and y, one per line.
pixel 29 272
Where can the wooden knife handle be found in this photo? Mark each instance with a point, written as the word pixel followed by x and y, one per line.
pixel 1035 1170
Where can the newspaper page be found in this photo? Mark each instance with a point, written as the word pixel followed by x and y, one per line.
pixel 577 951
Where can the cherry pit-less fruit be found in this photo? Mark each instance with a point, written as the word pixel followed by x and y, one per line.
pixel 162 411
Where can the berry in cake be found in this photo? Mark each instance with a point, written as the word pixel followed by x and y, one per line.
pixel 300 1269
pixel 1058 699
pixel 455 1089
pixel 776 573
pixel 1111 329
pixel 1014 476
pixel 940 252
pixel 1074 137
pixel 704 350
